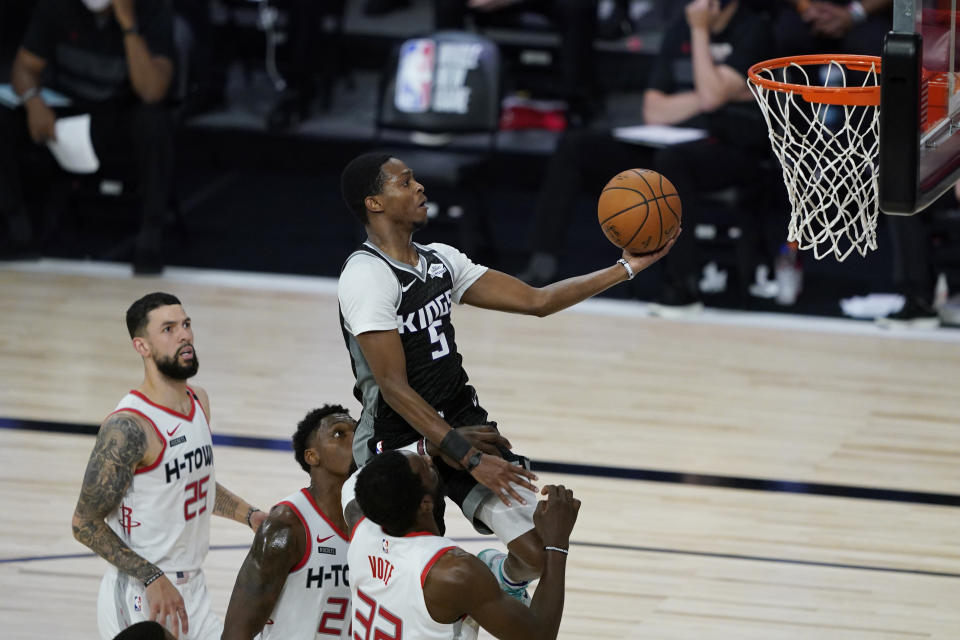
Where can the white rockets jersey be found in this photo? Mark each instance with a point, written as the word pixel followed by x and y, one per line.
pixel 387 576
pixel 315 600
pixel 165 514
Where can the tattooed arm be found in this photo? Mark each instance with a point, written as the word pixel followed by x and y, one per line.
pixel 121 445
pixel 230 505
pixel 277 547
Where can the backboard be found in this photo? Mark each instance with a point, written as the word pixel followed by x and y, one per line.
pixel 920 106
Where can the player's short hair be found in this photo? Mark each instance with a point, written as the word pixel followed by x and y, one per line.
pixel 306 427
pixel 362 177
pixel 389 492
pixel 146 630
pixel 139 310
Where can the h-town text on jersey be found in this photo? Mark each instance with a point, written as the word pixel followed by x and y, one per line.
pixel 191 460
pixel 339 573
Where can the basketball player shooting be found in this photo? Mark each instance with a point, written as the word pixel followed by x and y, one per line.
pixel 149 488
pixel 396 298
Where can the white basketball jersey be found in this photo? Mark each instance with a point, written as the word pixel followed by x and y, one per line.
pixel 387 576
pixel 165 514
pixel 315 600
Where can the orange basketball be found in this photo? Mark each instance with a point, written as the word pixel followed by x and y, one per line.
pixel 639 210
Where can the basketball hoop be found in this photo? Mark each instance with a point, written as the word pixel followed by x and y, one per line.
pixel 822 117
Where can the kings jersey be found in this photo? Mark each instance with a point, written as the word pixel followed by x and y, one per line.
pixel 434 367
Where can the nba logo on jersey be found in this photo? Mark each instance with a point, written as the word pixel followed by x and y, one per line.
pixel 415 76
pixel 386 545
pixel 137 603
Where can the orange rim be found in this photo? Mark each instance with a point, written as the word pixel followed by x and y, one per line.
pixel 853 96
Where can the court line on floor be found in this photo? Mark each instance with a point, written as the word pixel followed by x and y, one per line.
pixel 597 471
pixel 596 306
pixel 593 545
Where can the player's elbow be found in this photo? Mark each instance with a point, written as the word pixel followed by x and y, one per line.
pixel 81 529
pixel 541 304
pixel 541 312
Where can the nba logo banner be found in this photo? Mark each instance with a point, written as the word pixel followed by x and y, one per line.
pixel 415 76
pixel 137 603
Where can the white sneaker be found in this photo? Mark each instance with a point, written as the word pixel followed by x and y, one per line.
pixel 494 559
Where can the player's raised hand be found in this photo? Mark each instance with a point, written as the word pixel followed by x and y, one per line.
pixel 639 262
pixel 501 476
pixel 166 603
pixel 555 516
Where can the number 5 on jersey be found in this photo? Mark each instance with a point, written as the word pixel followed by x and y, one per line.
pixel 438 338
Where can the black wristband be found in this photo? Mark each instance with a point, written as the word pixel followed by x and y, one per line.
pixel 132 31
pixel 152 578
pixel 455 445
pixel 252 511
pixel 474 461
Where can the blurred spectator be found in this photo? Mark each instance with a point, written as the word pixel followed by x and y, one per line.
pixel 698 80
pixel 14 15
pixel 620 18
pixel 113 59
pixel 913 273
pixel 313 58
pixel 380 7
pixel 201 63
pixel 833 26
pixel 576 22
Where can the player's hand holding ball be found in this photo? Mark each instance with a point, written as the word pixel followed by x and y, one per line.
pixel 639 211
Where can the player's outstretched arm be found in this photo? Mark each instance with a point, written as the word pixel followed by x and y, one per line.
pixel 277 547
pixel 383 351
pixel 460 584
pixel 121 445
pixel 230 505
pixel 501 292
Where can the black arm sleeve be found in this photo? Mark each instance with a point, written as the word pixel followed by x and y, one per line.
pixel 753 43
pixel 40 38
pixel 662 76
pixel 155 21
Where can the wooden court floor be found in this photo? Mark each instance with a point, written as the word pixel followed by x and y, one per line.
pixel 742 476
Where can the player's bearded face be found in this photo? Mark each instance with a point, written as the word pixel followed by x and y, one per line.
pixel 175 367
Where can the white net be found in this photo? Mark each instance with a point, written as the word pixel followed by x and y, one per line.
pixel 828 153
